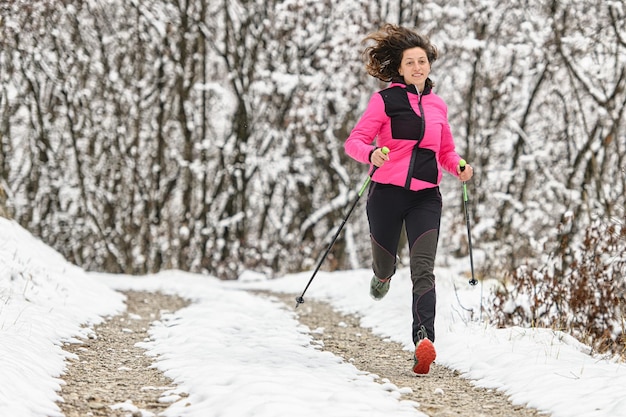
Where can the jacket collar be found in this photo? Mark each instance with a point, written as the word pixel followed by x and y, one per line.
pixel 398 81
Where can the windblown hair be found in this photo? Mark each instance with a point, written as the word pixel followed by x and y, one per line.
pixel 383 58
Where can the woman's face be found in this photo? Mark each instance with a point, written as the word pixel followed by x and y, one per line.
pixel 414 67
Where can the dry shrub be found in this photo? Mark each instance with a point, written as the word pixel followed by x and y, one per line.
pixel 580 290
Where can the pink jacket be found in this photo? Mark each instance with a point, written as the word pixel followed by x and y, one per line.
pixel 394 119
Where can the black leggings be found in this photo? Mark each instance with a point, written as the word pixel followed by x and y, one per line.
pixel 388 208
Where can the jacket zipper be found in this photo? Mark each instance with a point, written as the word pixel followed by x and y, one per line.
pixel 409 174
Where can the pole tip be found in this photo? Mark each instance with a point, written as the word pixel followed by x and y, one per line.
pixel 385 150
pixel 462 164
pixel 299 300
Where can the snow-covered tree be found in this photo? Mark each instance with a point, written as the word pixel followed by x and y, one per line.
pixel 208 136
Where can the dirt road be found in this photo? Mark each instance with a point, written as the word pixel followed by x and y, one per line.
pixel 113 377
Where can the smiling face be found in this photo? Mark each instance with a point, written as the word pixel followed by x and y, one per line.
pixel 415 67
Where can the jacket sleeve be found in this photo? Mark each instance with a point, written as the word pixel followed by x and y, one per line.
pixel 359 144
pixel 448 158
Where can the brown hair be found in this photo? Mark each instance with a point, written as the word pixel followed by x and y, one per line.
pixel 383 59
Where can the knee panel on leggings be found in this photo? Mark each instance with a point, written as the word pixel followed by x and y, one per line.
pixel 383 262
pixel 423 262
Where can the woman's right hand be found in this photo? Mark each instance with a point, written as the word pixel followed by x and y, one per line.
pixel 378 158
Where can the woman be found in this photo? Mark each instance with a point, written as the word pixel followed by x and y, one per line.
pixel 411 121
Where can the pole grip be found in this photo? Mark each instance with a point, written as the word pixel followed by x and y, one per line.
pixel 462 165
pixel 385 151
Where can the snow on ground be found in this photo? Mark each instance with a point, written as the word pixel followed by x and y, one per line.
pixel 237 354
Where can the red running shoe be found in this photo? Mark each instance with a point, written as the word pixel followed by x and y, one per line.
pixel 424 355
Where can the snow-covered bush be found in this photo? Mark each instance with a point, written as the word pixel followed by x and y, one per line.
pixel 581 290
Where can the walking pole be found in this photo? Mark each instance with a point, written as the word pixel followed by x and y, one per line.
pixel 300 299
pixel 472 281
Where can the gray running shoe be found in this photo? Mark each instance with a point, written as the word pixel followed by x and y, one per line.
pixel 379 288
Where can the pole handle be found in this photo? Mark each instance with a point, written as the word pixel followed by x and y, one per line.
pixel 462 165
pixel 385 151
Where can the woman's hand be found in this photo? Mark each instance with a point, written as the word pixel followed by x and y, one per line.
pixel 465 174
pixel 378 158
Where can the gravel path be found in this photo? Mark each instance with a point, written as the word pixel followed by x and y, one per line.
pixel 442 393
pixel 113 377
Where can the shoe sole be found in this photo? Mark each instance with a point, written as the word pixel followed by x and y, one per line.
pixel 376 298
pixel 424 356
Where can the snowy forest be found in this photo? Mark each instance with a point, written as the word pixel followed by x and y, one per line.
pixel 207 136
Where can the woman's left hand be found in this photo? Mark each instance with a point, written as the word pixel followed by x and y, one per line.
pixel 466 174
